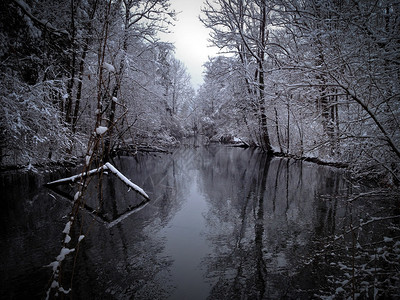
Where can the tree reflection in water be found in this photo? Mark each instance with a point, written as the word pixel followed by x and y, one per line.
pixel 223 223
pixel 265 212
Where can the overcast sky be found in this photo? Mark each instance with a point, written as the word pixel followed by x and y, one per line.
pixel 190 38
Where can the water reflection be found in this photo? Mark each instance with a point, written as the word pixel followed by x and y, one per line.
pixel 261 220
pixel 31 220
pixel 223 223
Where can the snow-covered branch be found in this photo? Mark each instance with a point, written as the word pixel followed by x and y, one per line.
pixel 42 23
pixel 106 166
pixel 125 180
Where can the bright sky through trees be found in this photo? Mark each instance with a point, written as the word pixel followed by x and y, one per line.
pixel 190 38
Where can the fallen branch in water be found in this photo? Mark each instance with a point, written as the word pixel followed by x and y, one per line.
pixel 56 265
pixel 125 180
pixel 106 166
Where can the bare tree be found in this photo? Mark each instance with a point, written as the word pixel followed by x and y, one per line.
pixel 242 28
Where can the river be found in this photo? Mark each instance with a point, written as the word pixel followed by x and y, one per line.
pixel 222 223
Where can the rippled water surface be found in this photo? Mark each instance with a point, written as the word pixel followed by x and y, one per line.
pixel 222 223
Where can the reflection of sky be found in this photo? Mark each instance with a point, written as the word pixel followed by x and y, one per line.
pixel 190 38
pixel 187 246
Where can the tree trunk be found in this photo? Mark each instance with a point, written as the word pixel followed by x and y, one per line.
pixel 117 86
pixel 70 87
pixel 79 88
pixel 266 144
pixel 82 67
pixel 277 130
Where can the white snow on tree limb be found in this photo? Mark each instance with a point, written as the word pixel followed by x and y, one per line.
pixel 115 99
pixel 23 5
pixel 54 265
pixel 81 237
pixel 110 68
pixel 67 239
pixel 106 166
pixel 43 23
pixel 77 195
pixel 67 227
pixel 61 289
pixel 101 130
pixel 126 180
pixel 75 177
pixel 64 251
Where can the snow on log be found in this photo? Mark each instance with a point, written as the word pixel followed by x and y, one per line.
pixel 125 180
pixel 75 177
pixel 106 166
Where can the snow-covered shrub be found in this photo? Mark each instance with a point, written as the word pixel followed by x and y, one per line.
pixel 208 127
pixel 30 124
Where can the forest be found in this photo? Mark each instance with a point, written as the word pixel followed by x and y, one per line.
pixel 307 79
pixel 90 92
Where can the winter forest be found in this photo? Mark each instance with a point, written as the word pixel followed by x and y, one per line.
pixel 313 79
pixel 290 147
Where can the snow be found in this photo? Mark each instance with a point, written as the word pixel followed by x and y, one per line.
pixel 339 290
pixel 54 265
pixel 110 68
pixel 77 195
pixel 387 239
pixel 106 166
pixel 126 180
pixel 115 99
pixel 63 253
pixel 81 237
pixel 101 129
pixel 67 239
pixel 61 289
pixel 73 178
pixel 67 227
pixel 24 5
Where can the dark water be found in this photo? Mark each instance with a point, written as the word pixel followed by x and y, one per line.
pixel 222 223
